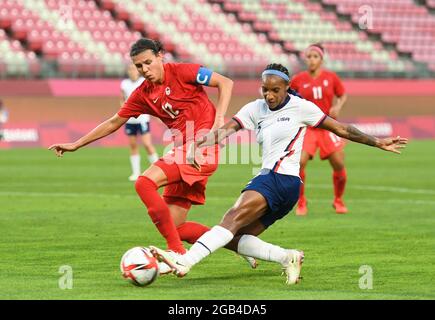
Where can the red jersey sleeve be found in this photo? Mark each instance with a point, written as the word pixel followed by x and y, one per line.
pixel 135 105
pixel 338 86
pixel 187 72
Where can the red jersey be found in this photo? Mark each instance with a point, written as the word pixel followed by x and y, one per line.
pixel 320 90
pixel 178 100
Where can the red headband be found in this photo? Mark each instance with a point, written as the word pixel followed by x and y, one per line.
pixel 317 49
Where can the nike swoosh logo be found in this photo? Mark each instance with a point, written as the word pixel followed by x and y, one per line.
pixel 306 85
pixel 155 100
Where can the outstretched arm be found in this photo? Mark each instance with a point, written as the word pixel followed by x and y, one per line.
pixel 212 138
pixel 217 135
pixel 107 127
pixel 350 132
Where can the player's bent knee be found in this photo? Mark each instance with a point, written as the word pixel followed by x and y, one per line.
pixel 337 165
pixel 236 218
pixel 139 183
pixel 143 183
pixel 339 168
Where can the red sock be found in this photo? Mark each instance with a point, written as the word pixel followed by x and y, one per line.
pixel 191 231
pixel 159 213
pixel 302 188
pixel 339 178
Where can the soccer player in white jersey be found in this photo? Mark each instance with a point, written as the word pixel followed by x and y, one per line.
pixel 279 121
pixel 135 126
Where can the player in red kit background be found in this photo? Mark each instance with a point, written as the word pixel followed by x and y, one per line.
pixel 174 93
pixel 321 86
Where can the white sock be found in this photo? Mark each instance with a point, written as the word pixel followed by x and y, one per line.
pixel 209 242
pixel 153 157
pixel 135 164
pixel 252 246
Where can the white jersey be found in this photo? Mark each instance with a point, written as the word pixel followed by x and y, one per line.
pixel 280 132
pixel 127 88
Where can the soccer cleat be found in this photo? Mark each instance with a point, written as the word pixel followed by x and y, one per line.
pixel 302 209
pixel 133 177
pixel 164 269
pixel 339 206
pixel 172 259
pixel 292 268
pixel 251 261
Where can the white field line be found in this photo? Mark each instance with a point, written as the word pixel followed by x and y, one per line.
pixel 349 186
pixel 209 198
pixel 379 188
pixel 65 194
pixel 241 185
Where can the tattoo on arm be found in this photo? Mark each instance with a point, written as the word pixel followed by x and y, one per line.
pixel 356 135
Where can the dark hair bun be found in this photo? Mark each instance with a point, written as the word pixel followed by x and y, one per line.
pixel 144 44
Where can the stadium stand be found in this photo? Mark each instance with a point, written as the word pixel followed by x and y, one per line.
pixel 14 59
pixel 86 38
pixel 404 23
pixel 76 36
pixel 202 32
pixel 301 22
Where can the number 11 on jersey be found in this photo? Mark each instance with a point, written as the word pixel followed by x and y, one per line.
pixel 317 92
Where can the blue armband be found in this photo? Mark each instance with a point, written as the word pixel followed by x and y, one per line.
pixel 204 75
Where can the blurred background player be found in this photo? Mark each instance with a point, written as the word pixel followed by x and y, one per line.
pixel 137 126
pixel 3 118
pixel 321 86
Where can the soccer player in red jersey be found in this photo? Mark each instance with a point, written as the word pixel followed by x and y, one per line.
pixel 320 86
pixel 174 93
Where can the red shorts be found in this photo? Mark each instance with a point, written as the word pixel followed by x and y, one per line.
pixel 187 184
pixel 325 140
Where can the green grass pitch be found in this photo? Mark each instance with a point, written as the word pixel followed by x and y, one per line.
pixel 81 211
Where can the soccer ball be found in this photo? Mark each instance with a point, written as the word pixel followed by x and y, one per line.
pixel 139 266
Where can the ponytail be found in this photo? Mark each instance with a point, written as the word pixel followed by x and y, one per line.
pixel 294 92
pixel 144 44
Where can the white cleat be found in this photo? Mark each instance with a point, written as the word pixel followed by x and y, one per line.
pixel 292 268
pixel 251 261
pixel 172 259
pixel 133 177
pixel 164 269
